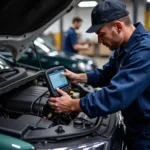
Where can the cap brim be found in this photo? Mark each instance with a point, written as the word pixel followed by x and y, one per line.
pixel 94 28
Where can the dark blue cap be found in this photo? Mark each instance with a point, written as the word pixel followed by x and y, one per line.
pixel 107 11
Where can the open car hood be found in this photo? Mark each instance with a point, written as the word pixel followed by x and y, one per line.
pixel 23 21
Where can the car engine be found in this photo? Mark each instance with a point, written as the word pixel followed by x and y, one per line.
pixel 25 112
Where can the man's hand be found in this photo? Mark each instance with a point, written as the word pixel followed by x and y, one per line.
pixel 74 77
pixel 79 47
pixel 86 46
pixel 65 103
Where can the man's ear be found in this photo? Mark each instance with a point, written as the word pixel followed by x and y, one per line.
pixel 118 26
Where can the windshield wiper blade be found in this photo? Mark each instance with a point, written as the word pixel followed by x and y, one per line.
pixel 6 70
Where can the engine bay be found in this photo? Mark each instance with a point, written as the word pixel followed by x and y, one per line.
pixel 25 112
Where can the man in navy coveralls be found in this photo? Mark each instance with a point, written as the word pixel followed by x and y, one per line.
pixel 71 44
pixel 125 79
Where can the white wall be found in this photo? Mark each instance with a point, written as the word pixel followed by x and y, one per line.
pixel 85 14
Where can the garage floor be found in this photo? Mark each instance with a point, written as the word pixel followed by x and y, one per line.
pixel 101 61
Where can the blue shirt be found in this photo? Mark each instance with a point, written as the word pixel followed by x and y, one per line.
pixel 125 80
pixel 70 39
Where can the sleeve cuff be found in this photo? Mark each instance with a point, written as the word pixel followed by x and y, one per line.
pixel 83 107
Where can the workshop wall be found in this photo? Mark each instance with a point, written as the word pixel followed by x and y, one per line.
pixel 84 13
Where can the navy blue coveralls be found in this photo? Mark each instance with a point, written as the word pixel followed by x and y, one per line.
pixel 126 86
pixel 70 39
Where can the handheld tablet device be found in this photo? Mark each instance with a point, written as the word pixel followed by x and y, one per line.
pixel 55 80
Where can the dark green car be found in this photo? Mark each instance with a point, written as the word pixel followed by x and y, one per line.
pixel 50 57
pixel 27 122
pixel 11 143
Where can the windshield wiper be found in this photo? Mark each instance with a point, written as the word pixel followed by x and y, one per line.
pixel 6 70
pixel 6 73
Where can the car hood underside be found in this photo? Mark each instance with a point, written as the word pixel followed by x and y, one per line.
pixel 23 21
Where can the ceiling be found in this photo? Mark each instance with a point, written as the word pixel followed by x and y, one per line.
pixel 123 0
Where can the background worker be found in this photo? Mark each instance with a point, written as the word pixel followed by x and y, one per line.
pixel 71 44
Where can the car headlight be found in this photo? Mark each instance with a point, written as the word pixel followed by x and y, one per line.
pixel 90 62
pixel 81 66
pixel 84 67
pixel 91 146
pixel 88 67
pixel 94 146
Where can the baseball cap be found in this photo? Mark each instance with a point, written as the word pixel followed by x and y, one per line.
pixel 106 11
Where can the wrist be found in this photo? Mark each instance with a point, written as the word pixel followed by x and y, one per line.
pixel 75 105
pixel 82 78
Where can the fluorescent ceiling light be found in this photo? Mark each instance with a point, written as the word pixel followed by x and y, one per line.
pixel 148 1
pixel 87 4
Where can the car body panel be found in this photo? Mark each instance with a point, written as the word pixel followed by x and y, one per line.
pixel 10 143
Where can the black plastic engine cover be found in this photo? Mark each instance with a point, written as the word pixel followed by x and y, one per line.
pixel 13 128
pixel 30 99
pixel 18 127
pixel 35 122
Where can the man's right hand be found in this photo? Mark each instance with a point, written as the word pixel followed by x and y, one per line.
pixel 74 77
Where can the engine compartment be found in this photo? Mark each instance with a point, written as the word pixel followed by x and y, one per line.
pixel 26 107
pixel 25 113
pixel 27 99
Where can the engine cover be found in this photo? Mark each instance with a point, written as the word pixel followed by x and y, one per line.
pixel 30 99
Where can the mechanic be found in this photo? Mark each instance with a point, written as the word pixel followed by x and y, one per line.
pixel 125 79
pixel 71 44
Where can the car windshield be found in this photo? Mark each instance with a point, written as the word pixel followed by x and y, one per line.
pixel 47 45
pixel 41 48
